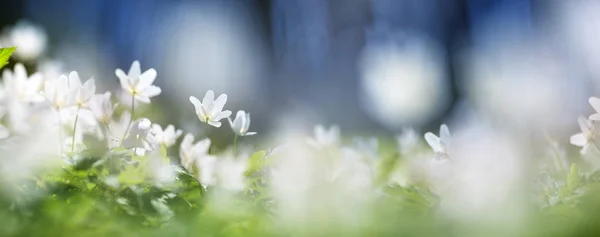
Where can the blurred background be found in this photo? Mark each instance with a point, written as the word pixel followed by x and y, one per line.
pixel 367 65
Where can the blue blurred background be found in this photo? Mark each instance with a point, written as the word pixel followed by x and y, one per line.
pixel 368 65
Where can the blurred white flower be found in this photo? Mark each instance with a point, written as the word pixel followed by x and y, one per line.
pixel 168 136
pixel 209 110
pixel 139 84
pixel 229 173
pixel 30 40
pixel 441 144
pixel 57 92
pixel 585 139
pixel 241 123
pixel 19 86
pixel 102 107
pixel 368 146
pixel 81 94
pixel 189 151
pixel 595 102
pixel 407 141
pixel 325 137
pixel 141 137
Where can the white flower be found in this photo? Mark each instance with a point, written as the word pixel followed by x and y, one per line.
pixel 228 173
pixel 141 137
pixel 102 107
pixel 441 144
pixel 30 40
pixel 209 110
pixel 189 151
pixel 324 137
pixel 166 137
pixel 19 86
pixel 587 137
pixel 595 102
pixel 139 84
pixel 57 92
pixel 81 94
pixel 241 123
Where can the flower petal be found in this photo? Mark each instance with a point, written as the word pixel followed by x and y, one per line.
pixel 578 140
pixel 215 123
pixel 433 141
pixel 135 70
pixel 147 78
pixel 595 102
pixel 123 79
pixel 209 97
pixel 218 105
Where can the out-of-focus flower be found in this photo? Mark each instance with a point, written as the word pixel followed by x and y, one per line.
pixel 141 137
pixel 19 86
pixel 595 102
pixel 241 123
pixel 139 84
pixel 30 40
pixel 369 146
pixel 586 139
pixel 102 107
pixel 325 137
pixel 81 94
pixel 229 173
pixel 4 131
pixel 441 144
pixel 407 140
pixel 57 92
pixel 168 136
pixel 189 151
pixel 403 83
pixel 209 110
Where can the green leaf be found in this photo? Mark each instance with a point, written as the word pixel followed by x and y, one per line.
pixel 573 178
pixel 5 54
pixel 256 162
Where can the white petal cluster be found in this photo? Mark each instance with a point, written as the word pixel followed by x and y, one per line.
pixel 30 39
pixel 325 137
pixel 168 136
pixel 241 123
pixel 190 152
pixel 141 137
pixel 102 107
pixel 210 110
pixel 138 84
pixel 441 144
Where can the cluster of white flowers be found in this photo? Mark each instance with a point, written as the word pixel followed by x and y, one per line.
pixel 590 128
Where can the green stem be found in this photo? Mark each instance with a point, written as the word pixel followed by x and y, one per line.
pixel 75 129
pixel 130 120
pixel 234 144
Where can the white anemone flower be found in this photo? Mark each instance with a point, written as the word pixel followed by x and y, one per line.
pixel 209 110
pixel 30 40
pixel 241 123
pixel 325 137
pixel 141 137
pixel 168 136
pixel 441 144
pixel 139 84
pixel 81 93
pixel 102 107
pixel 57 92
pixel 589 132
pixel 17 85
pixel 189 151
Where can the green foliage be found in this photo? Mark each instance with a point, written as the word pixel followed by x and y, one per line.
pixel 5 54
